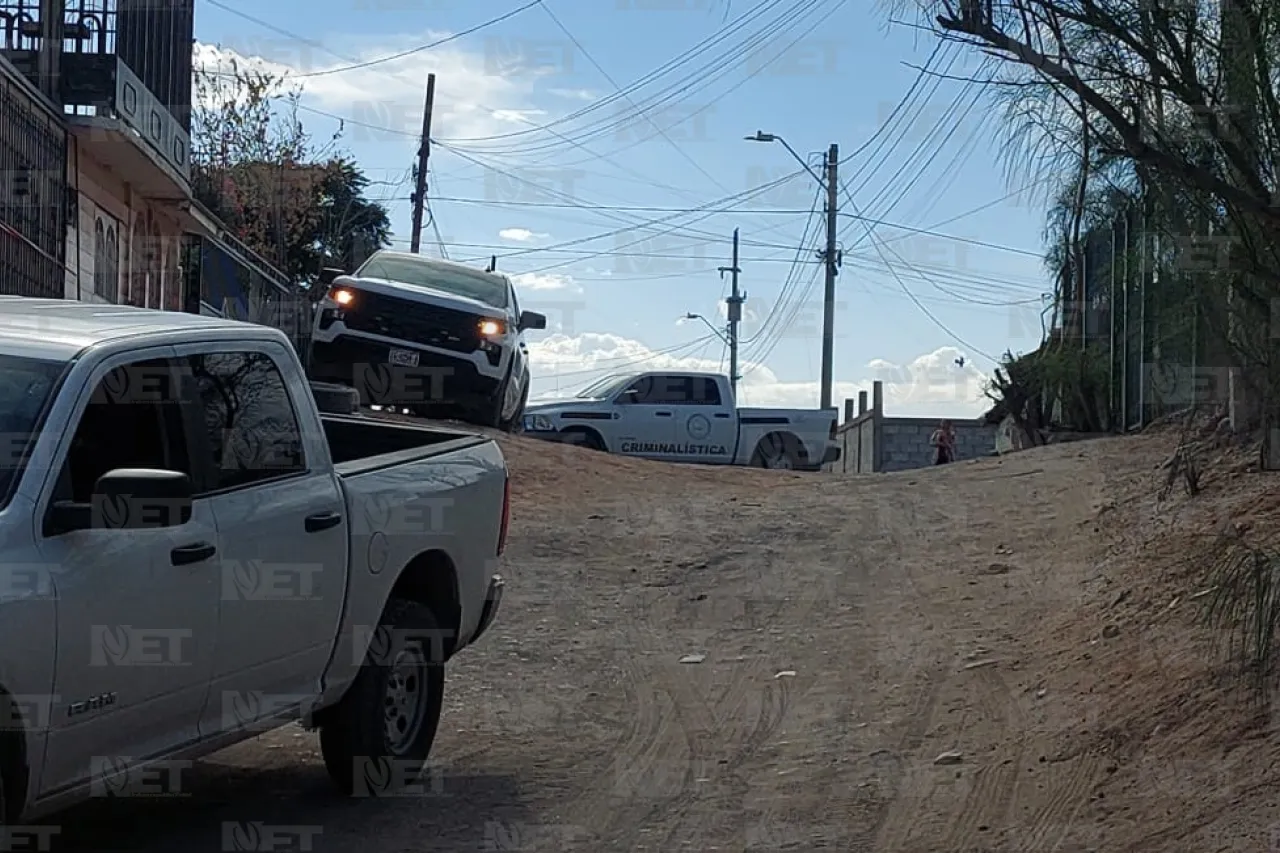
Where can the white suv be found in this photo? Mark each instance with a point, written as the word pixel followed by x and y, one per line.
pixel 431 336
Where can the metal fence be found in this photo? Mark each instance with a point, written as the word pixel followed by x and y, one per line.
pixel 34 197
pixel 227 280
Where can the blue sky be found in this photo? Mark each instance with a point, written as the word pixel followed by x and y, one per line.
pixel 632 165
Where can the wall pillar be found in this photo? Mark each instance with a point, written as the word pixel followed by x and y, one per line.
pixel 877 429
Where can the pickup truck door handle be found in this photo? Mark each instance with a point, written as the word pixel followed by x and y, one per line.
pixel 722 415
pixel 662 414
pixel 189 554
pixel 323 521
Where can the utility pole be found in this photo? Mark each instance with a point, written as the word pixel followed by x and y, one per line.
pixel 424 152
pixel 832 264
pixel 734 303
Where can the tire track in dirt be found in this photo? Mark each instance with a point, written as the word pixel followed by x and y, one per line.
pixel 1069 793
pixel 991 795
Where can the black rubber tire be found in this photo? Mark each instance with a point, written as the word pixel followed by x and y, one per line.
pixel 516 422
pixel 584 438
pixel 776 445
pixel 353 740
pixel 332 399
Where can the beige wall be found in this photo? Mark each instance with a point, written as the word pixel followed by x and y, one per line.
pixel 143 268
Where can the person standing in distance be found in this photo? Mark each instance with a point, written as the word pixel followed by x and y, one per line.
pixel 943 441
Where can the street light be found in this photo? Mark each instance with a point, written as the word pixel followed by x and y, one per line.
pixel 719 334
pixel 761 136
pixel 829 257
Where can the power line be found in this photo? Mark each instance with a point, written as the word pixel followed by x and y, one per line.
pixel 372 62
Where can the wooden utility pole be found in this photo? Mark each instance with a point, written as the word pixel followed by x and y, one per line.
pixel 832 261
pixel 424 152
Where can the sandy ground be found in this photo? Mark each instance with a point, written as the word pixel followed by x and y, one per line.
pixel 1022 613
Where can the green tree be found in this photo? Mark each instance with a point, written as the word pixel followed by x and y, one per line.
pixel 298 203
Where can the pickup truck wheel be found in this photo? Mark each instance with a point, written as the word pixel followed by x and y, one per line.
pixel 776 451
pixel 516 422
pixel 381 732
pixel 582 437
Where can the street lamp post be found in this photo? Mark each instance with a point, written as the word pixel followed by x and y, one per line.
pixel 830 257
pixel 730 340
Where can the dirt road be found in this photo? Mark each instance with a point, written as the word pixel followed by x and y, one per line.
pixel 848 632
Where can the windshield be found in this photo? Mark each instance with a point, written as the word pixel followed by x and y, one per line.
pixel 25 387
pixel 489 289
pixel 603 388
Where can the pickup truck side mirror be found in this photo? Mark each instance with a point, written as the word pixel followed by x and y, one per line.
pixel 329 274
pixel 531 320
pixel 128 499
pixel 629 397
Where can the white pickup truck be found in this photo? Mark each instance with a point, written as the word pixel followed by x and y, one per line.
pixel 676 416
pixel 191 554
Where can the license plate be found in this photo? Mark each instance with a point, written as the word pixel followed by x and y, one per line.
pixel 403 358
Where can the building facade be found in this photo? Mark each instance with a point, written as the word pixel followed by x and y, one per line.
pixel 34 193
pixel 95 149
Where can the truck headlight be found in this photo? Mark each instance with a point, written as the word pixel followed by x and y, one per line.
pixel 491 328
pixel 538 423
pixel 342 296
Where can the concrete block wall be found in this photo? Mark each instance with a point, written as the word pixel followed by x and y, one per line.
pixel 905 444
pixel 871 442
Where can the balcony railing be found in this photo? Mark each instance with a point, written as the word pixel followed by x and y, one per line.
pixel 103 85
pixel 101 38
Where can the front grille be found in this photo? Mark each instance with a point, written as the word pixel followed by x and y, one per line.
pixel 413 321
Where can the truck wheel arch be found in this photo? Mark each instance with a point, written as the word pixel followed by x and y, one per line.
pixel 584 436
pixel 431 579
pixel 782 441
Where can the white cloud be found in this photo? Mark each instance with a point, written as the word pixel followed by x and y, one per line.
pixel 520 235
pixel 931 385
pixel 472 100
pixel 584 95
pixel 541 281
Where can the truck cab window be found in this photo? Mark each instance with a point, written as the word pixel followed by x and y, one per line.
pixel 133 420
pixel 705 391
pixel 251 424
